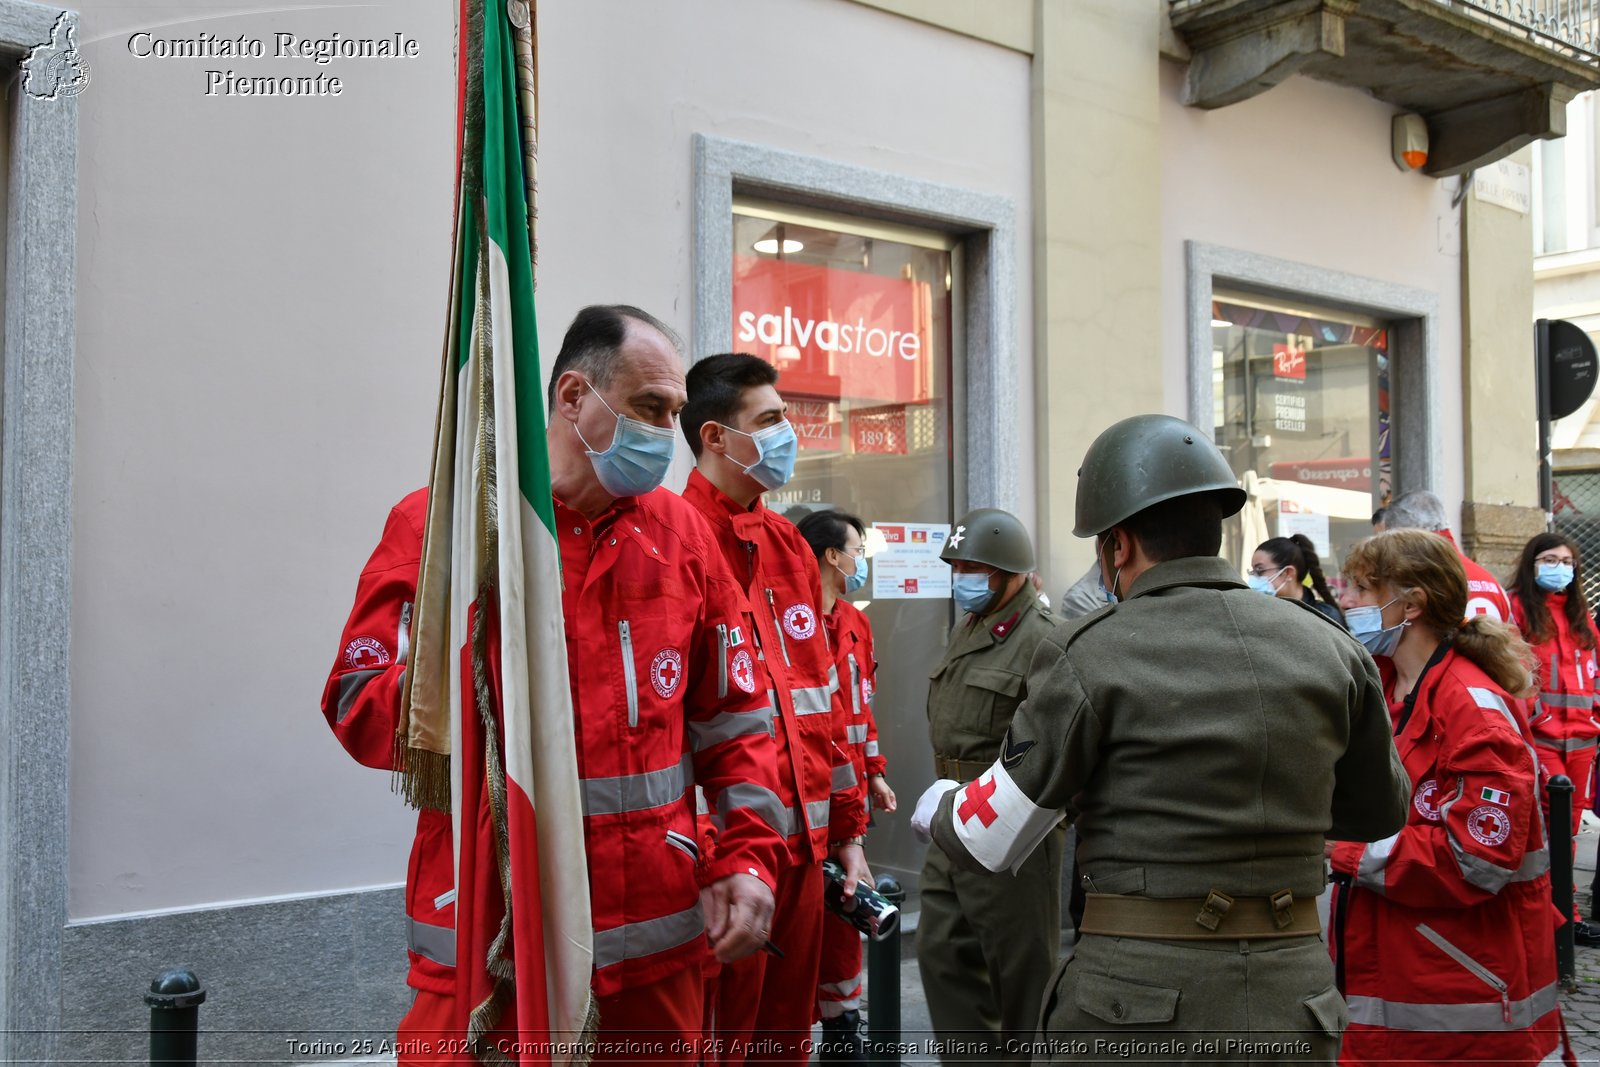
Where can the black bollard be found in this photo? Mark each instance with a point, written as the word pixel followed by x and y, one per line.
pixel 883 987
pixel 175 998
pixel 1560 834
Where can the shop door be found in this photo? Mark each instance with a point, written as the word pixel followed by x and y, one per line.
pixel 857 317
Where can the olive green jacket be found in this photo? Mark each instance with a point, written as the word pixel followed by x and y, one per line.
pixel 1206 737
pixel 976 688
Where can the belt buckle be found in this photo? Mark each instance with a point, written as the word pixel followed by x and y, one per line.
pixel 1282 908
pixel 1216 905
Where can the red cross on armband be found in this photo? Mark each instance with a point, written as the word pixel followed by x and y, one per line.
pixel 977 802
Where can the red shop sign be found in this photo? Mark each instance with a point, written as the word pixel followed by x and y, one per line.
pixel 837 334
pixel 1288 361
pixel 1339 473
pixel 815 422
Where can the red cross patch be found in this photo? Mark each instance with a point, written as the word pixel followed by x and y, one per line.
pixel 366 654
pixel 743 671
pixel 666 671
pixel 1424 800
pixel 799 621
pixel 1489 825
pixel 977 802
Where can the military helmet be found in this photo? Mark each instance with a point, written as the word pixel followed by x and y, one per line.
pixel 1144 460
pixel 992 536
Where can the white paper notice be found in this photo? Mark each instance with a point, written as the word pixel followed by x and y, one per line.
pixel 907 566
pixel 1314 527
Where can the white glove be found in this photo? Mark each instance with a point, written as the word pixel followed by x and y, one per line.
pixel 927 804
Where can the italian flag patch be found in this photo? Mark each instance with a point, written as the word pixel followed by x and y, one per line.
pixel 1495 796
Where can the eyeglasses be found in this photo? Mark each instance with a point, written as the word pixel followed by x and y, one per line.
pixel 1547 559
pixel 856 552
pixel 1267 572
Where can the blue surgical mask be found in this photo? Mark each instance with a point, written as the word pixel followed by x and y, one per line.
pixel 857 578
pixel 776 448
pixel 972 591
pixel 638 458
pixel 1366 625
pixel 1552 577
pixel 1262 583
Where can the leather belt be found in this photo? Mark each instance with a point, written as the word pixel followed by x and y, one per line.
pixel 959 770
pixel 1214 917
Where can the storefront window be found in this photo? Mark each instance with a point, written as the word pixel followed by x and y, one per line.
pixel 857 317
pixel 1302 412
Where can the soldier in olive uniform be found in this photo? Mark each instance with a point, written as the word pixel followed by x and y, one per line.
pixel 986 943
pixel 1207 740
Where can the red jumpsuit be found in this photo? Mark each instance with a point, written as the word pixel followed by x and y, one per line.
pixel 649 609
pixel 785 653
pixel 1563 720
pixel 1443 935
pixel 839 978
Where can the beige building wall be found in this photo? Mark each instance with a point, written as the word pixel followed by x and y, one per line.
pixel 262 290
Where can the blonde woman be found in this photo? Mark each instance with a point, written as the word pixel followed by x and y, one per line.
pixel 1442 935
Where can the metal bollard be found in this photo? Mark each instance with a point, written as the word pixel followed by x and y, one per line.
pixel 883 987
pixel 175 998
pixel 1560 832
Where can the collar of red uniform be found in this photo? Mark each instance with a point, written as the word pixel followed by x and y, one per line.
pixel 724 509
pixel 619 506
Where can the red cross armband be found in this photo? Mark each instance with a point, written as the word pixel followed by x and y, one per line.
pixel 997 823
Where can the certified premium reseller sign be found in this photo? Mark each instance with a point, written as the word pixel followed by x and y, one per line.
pixel 836 335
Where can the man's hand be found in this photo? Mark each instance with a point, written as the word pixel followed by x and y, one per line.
pixel 738 912
pixel 882 795
pixel 927 806
pixel 854 861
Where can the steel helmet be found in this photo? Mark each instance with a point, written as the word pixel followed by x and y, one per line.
pixel 1144 460
pixel 992 536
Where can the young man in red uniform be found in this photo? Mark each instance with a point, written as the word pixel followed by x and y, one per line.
pixel 743 445
pixel 649 608
pixel 838 542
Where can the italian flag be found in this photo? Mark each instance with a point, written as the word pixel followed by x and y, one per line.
pixel 490 645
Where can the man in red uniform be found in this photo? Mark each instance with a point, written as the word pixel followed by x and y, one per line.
pixel 650 609
pixel 743 445
pixel 1422 510
pixel 837 541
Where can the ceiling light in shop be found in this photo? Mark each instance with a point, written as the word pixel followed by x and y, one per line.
pixel 769 245
pixel 1224 323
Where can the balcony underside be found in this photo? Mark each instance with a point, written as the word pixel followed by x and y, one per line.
pixel 1484 87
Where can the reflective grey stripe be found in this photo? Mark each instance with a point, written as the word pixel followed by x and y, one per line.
pixel 1566 700
pixel 404 642
pixel 855 684
pixel 628 678
pixel 815 701
pixel 726 725
pixel 1565 744
pixel 833 678
pixel 633 940
pixel 1374 860
pixel 856 734
pixel 844 777
pixel 817 811
pixel 872 748
pixel 636 792
pixel 437 943
pixel 764 802
pixel 350 686
pixel 1399 1015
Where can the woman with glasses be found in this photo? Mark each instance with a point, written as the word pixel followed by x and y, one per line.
pixel 1288 567
pixel 838 542
pixel 1548 606
pixel 1442 935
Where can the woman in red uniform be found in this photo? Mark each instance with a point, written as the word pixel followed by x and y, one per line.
pixel 838 540
pixel 1548 606
pixel 1442 935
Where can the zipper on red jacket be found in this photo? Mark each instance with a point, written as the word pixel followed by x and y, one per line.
pixel 772 602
